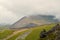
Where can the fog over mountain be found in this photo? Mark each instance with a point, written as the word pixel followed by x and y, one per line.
pixel 34 20
pixel 13 10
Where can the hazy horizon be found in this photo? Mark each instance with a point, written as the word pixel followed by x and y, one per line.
pixel 13 10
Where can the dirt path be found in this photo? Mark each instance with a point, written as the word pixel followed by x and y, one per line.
pixel 14 33
pixel 23 36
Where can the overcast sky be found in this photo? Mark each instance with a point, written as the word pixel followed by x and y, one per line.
pixel 12 10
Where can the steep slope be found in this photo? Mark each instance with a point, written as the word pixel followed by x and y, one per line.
pixel 34 19
pixel 21 23
pixel 35 34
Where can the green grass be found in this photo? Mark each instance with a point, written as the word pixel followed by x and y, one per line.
pixel 15 36
pixel 5 33
pixel 34 35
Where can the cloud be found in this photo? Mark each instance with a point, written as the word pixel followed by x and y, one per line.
pixel 6 16
pixel 14 9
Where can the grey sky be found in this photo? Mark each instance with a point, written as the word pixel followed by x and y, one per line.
pixel 12 10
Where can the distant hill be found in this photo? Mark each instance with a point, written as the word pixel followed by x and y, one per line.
pixel 30 25
pixel 4 26
pixel 35 20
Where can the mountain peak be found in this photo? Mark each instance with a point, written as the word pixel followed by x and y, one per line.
pixel 35 19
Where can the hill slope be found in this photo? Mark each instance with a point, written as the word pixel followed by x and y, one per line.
pixel 30 34
pixel 34 19
pixel 35 34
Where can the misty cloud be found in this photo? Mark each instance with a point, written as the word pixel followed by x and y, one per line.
pixel 14 9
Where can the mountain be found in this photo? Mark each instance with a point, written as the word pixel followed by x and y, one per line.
pixel 30 25
pixel 34 20
pixel 2 26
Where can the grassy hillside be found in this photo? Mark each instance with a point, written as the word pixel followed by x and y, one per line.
pixel 34 35
pixel 15 36
pixel 5 33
